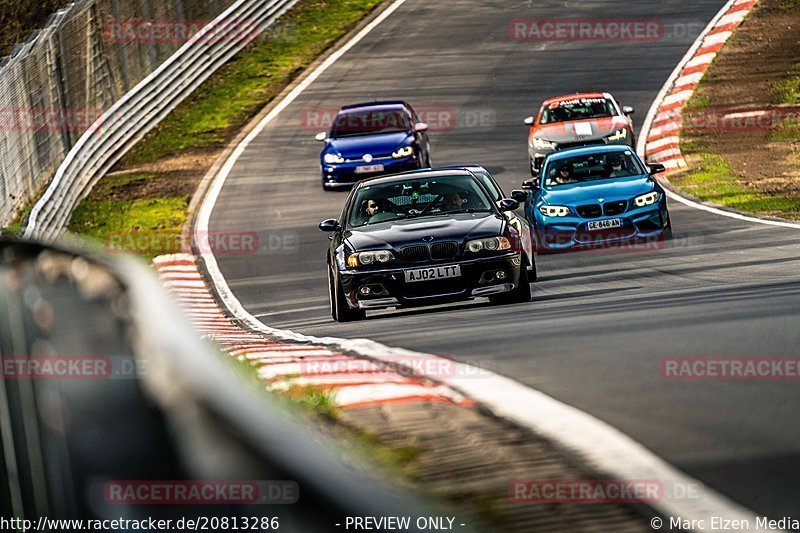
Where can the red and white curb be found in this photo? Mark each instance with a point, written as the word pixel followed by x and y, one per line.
pixel 356 381
pixel 663 127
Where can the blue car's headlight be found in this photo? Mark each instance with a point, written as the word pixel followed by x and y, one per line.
pixel 554 210
pixel 333 159
pixel 403 152
pixel 647 199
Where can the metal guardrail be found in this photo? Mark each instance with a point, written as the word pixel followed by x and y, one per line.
pixel 181 413
pixel 61 79
pixel 141 109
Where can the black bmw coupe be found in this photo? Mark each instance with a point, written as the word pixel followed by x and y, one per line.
pixel 424 238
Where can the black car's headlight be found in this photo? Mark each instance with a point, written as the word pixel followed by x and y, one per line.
pixel 333 159
pixel 403 152
pixel 492 244
pixel 646 199
pixel 370 258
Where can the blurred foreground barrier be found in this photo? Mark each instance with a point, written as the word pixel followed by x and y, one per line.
pixel 105 384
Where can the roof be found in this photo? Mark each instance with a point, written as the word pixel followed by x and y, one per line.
pixel 469 166
pixel 416 174
pixel 386 104
pixel 589 150
pixel 573 96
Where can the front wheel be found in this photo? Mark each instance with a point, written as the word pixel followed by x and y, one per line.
pixel 667 233
pixel 520 294
pixel 533 275
pixel 340 311
pixel 534 170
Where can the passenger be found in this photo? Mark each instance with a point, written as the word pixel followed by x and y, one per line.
pixel 452 202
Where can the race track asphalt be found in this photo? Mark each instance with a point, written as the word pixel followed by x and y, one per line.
pixel 600 322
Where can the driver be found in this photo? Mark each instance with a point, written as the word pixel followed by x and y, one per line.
pixel 565 174
pixel 374 207
pixel 615 166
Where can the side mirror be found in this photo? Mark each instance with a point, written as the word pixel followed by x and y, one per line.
pixel 330 225
pixel 507 204
pixel 532 183
pixel 529 121
pixel 656 168
pixel 627 110
pixel 420 127
pixel 321 136
pixel 519 196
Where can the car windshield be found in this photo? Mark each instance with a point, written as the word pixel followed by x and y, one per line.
pixel 487 181
pixel 585 168
pixel 354 123
pixel 577 109
pixel 417 197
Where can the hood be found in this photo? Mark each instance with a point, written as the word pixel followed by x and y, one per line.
pixel 399 233
pixel 609 190
pixel 378 145
pixel 580 130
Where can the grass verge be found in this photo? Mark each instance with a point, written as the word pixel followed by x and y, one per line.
pixel 712 179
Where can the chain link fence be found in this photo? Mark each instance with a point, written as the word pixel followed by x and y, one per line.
pixel 57 84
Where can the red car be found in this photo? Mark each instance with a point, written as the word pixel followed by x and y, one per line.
pixel 577 120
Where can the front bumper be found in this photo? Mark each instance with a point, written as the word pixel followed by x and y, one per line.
pixel 344 175
pixel 556 234
pixel 388 287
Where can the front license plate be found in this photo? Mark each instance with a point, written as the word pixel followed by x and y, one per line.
pixel 604 224
pixel 433 273
pixel 366 169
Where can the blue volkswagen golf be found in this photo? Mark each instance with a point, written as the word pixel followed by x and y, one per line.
pixel 371 139
pixel 593 196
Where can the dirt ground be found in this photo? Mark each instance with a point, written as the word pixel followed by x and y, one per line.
pixel 178 175
pixel 763 51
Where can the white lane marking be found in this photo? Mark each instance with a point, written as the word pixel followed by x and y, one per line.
pixel 602 446
pixel 729 214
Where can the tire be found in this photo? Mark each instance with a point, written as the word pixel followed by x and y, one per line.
pixel 520 294
pixel 667 234
pixel 534 172
pixel 533 275
pixel 340 311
